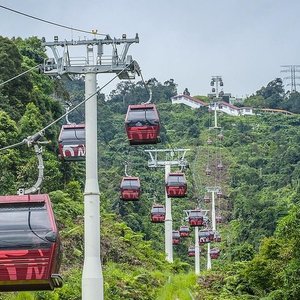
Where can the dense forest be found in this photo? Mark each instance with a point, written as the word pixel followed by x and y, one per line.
pixel 260 248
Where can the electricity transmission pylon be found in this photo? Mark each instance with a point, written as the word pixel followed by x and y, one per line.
pixel 292 69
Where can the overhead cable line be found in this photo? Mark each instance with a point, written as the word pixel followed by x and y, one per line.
pixel 40 133
pixel 49 22
pixel 76 106
pixel 146 86
pixel 14 145
pixel 17 76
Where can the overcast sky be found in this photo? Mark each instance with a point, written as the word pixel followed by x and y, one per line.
pixel 244 41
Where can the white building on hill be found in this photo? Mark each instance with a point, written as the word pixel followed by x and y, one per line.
pixel 189 101
pixel 220 106
pixel 225 107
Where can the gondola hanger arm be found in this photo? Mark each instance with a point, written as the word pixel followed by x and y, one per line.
pixel 148 86
pixel 36 186
pixel 67 107
pixel 34 141
pixel 126 168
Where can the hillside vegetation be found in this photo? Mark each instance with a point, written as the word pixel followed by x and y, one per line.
pixel 260 239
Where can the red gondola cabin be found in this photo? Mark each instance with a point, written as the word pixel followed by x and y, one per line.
pixel 176 185
pixel 30 249
pixel 219 219
pixel 175 237
pixel 158 213
pixel 206 199
pixel 220 166
pixel 142 124
pixel 72 142
pixel 208 171
pixel 211 235
pixel 220 136
pixel 184 231
pixel 206 236
pixel 219 194
pixel 130 188
pixel 214 253
pixel 191 251
pixel 196 218
pixel 217 237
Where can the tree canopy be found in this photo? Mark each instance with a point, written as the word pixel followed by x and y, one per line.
pixel 260 181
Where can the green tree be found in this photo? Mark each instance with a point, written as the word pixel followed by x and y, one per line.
pixel 14 93
pixel 292 102
pixel 31 121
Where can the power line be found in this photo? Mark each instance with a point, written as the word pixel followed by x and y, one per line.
pixel 146 86
pixel 76 106
pixel 17 76
pixel 40 132
pixel 49 22
pixel 14 145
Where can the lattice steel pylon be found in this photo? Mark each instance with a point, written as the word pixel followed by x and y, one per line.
pixel 93 63
pixel 292 69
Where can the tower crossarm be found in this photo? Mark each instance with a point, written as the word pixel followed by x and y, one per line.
pixel 122 64
pixel 172 157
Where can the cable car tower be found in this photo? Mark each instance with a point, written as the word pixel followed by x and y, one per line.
pixel 197 248
pixel 171 157
pixel 94 62
pixel 215 188
pixel 216 83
